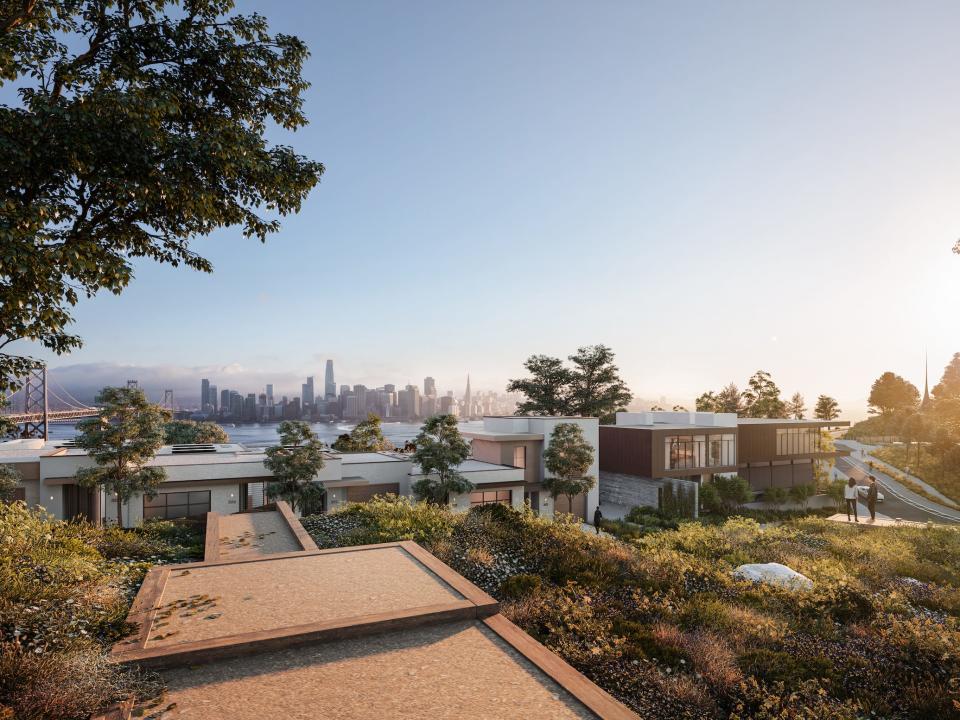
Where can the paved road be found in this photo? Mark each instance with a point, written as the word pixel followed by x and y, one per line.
pixel 899 501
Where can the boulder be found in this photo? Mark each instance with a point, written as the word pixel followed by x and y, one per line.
pixel 773 574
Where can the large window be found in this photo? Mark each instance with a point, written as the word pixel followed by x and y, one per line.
pixel 685 451
pixel 798 441
pixel 491 497
pixel 520 456
pixel 723 450
pixel 169 506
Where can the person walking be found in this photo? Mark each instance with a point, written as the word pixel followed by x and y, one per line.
pixel 597 519
pixel 872 499
pixel 850 496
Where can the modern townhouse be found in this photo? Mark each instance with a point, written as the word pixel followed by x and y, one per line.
pixel 644 451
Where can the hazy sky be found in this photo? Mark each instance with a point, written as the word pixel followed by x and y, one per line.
pixel 708 188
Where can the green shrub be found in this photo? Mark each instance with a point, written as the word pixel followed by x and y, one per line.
pixel 773 666
pixel 517 586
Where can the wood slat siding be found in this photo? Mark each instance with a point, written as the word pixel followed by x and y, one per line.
pixel 626 450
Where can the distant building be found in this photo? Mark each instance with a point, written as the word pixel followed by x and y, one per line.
pixel 329 386
pixel 204 395
pixel 212 399
pixel 306 393
pixel 467 402
pixel 270 394
pixel 224 402
pixel 429 387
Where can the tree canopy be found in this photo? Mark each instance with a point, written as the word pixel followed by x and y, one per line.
pixel 592 387
pixel 138 127
pixel 191 432
pixel 762 399
pixel 122 438
pixel 727 400
pixel 9 479
pixel 440 449
pixel 295 463
pixel 891 393
pixel 567 459
pixel 949 386
pixel 796 407
pixel 367 436
pixel 826 408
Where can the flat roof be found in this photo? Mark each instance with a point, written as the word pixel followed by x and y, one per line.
pixel 372 457
pixel 450 671
pixel 791 421
pixel 673 426
pixel 361 633
pixel 470 465
pixel 501 436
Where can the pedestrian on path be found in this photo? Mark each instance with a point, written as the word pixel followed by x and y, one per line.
pixel 850 495
pixel 597 519
pixel 872 499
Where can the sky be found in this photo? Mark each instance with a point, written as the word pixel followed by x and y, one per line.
pixel 708 188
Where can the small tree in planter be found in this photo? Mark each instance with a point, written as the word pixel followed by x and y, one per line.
pixel 731 493
pixel 122 438
pixel 775 496
pixel 567 460
pixel 295 463
pixel 440 448
pixel 802 493
pixel 365 437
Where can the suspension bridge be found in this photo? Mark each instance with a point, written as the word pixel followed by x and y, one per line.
pixel 29 407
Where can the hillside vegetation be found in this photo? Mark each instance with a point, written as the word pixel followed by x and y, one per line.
pixel 660 623
pixel 65 590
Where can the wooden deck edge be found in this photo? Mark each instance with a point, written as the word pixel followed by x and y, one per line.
pixel 211 542
pixel 302 536
pixel 574 682
pixel 204 651
pixel 486 605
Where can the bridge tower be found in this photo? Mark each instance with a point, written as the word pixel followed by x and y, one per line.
pixel 133 384
pixel 35 402
pixel 168 400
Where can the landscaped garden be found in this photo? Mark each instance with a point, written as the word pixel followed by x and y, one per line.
pixel 660 623
pixel 65 590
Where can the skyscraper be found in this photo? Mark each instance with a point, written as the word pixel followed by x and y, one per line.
pixel 204 394
pixel 926 384
pixel 329 386
pixel 467 401
pixel 212 398
pixel 306 393
pixel 270 394
pixel 429 386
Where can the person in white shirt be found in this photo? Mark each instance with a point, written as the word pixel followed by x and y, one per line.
pixel 850 495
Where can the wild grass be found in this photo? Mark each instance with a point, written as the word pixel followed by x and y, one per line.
pixel 65 590
pixel 659 621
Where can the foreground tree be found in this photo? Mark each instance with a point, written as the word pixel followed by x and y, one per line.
pixel 762 397
pixel 367 436
pixel 295 463
pixel 567 460
pixel 796 407
pixel 191 432
pixel 122 439
pixel 139 126
pixel 591 388
pixel 890 394
pixel 826 408
pixel 440 449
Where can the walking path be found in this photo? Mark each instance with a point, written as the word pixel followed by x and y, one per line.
pixel 908 504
